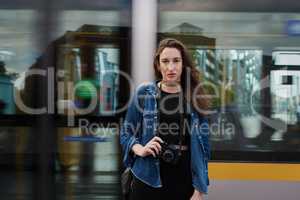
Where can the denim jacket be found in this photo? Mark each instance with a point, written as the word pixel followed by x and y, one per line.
pixel 140 127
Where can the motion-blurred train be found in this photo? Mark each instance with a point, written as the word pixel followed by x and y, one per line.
pixel 250 64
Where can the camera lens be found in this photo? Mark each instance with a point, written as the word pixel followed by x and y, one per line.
pixel 168 156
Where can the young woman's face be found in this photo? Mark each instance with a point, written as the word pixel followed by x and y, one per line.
pixel 170 64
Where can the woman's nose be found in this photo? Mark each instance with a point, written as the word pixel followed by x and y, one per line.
pixel 171 66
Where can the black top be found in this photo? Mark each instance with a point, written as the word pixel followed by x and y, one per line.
pixel 170 110
pixel 176 179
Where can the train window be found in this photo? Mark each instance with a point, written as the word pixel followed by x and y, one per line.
pixel 90 44
pixel 250 59
pixel 18 51
pixel 82 82
pixel 73 51
pixel 88 62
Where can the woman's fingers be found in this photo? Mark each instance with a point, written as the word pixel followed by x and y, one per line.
pixel 155 147
pixel 150 151
pixel 157 139
pixel 155 144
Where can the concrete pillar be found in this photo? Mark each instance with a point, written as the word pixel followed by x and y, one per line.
pixel 144 29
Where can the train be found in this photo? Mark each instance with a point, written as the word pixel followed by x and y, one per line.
pixel 248 54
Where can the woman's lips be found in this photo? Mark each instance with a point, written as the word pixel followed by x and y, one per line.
pixel 171 75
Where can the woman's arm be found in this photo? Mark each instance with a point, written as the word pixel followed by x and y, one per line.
pixel 205 137
pixel 130 129
pixel 200 149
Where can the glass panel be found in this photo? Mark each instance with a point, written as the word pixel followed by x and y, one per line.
pixel 88 62
pixel 233 76
pixel 285 88
pixel 100 81
pixel 88 48
pixel 241 55
pixel 85 53
pixel 17 54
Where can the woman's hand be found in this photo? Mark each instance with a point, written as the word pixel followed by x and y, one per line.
pixel 153 147
pixel 197 195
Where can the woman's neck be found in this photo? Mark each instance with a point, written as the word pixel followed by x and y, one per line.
pixel 169 87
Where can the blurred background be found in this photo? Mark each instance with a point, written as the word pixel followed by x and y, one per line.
pixel 56 57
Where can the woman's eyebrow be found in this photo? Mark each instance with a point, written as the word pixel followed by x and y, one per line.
pixel 171 58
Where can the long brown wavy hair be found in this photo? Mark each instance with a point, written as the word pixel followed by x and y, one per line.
pixel 189 71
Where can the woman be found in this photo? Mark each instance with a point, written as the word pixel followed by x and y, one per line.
pixel 165 134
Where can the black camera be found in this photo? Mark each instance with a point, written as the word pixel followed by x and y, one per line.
pixel 169 153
